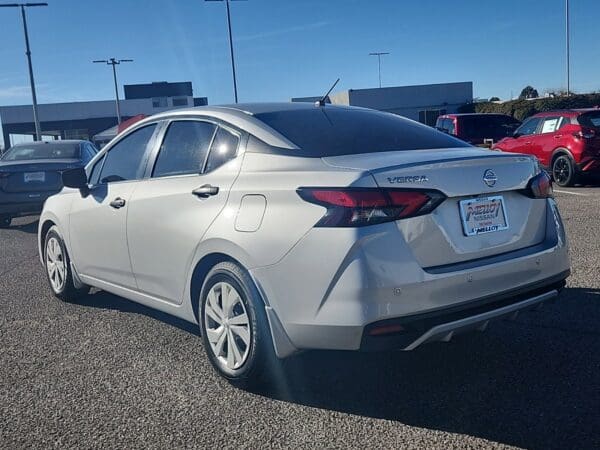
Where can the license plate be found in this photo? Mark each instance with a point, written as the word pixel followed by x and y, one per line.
pixel 29 177
pixel 483 215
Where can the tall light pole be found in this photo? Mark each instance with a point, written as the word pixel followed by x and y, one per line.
pixel 36 119
pixel 114 62
pixel 567 47
pixel 235 94
pixel 379 55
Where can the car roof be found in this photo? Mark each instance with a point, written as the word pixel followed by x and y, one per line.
pixel 58 142
pixel 243 115
pixel 473 114
pixel 567 112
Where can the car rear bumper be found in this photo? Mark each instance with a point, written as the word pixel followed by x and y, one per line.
pixel 589 165
pixel 334 301
pixel 16 204
pixel 444 325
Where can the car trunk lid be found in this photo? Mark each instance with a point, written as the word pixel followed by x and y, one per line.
pixel 33 176
pixel 441 238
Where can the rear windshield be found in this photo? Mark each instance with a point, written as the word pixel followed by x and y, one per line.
pixel 331 131
pixel 42 151
pixel 591 119
pixel 488 126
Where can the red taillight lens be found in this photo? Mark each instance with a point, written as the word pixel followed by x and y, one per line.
pixel 540 186
pixel 357 207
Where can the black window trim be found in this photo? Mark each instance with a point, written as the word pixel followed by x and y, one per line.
pixel 166 123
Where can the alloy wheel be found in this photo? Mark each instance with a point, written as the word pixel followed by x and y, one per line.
pixel 227 325
pixel 561 170
pixel 55 264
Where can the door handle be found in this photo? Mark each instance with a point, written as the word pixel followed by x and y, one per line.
pixel 205 191
pixel 528 143
pixel 557 136
pixel 117 203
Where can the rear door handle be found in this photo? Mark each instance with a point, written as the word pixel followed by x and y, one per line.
pixel 557 136
pixel 205 191
pixel 528 143
pixel 117 203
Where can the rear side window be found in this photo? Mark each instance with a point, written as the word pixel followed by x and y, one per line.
pixel 550 124
pixel 332 131
pixel 184 148
pixel 125 160
pixel 224 148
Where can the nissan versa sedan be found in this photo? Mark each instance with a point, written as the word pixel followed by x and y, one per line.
pixel 279 228
pixel 31 172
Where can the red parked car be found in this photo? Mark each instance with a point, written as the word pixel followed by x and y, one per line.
pixel 567 143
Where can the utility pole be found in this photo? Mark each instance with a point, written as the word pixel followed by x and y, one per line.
pixel 379 55
pixel 36 119
pixel 567 39
pixel 235 94
pixel 114 62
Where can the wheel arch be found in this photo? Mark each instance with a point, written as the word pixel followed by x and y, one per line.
pixel 44 227
pixel 558 152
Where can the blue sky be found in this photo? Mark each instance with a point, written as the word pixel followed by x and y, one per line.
pixel 288 48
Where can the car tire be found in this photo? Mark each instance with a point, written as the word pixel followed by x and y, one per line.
pixel 234 326
pixel 563 171
pixel 58 268
pixel 5 221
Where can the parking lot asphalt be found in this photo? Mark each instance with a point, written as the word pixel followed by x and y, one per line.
pixel 108 373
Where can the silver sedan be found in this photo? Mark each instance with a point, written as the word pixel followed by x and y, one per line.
pixel 279 228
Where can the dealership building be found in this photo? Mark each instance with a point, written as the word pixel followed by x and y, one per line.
pixel 84 120
pixel 422 102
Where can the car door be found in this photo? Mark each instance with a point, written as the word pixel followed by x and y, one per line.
pixel 97 230
pixel 547 139
pixel 524 137
pixel 171 210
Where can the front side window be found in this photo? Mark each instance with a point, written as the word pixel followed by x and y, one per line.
pixel 223 148
pixel 529 126
pixel 125 160
pixel 184 148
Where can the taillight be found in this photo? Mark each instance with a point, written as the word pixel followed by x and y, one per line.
pixel 358 207
pixel 540 186
pixel 585 133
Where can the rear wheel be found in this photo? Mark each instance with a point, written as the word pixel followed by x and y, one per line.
pixel 58 268
pixel 234 326
pixel 5 221
pixel 563 171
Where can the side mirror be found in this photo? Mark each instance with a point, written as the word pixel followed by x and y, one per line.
pixel 75 178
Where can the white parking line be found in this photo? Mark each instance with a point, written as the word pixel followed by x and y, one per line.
pixel 572 193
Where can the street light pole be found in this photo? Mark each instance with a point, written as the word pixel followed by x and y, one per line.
pixel 567 47
pixel 114 62
pixel 36 120
pixel 235 94
pixel 379 54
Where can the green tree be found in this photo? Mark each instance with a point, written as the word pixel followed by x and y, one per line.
pixel 495 99
pixel 529 92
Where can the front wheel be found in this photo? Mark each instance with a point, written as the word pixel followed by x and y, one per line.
pixel 234 326
pixel 58 268
pixel 563 171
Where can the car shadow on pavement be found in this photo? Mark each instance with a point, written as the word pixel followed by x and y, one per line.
pixel 26 225
pixel 105 300
pixel 533 382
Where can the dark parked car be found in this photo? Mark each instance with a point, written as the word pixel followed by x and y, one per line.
pixel 566 142
pixel 476 128
pixel 31 172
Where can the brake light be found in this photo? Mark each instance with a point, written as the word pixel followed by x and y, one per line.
pixel 357 207
pixel 540 186
pixel 585 133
